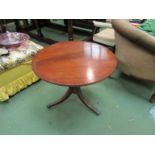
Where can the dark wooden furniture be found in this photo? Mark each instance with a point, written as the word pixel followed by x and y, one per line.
pixel 33 24
pixel 71 26
pixel 38 24
pixel 2 25
pixel 74 64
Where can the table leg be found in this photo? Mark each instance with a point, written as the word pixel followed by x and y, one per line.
pixel 70 30
pixel 78 92
pixel 85 102
pixel 67 94
pixel 38 27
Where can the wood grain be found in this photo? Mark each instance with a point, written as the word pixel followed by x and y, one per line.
pixel 74 63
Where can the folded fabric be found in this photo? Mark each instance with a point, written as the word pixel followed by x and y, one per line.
pixel 3 51
pixel 18 55
pixel 16 85
pixel 148 26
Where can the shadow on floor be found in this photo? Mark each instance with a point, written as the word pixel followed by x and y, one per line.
pixel 137 87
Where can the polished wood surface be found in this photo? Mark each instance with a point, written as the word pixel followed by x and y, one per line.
pixel 74 63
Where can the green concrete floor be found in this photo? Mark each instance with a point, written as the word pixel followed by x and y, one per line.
pixel 122 102
pixel 58 35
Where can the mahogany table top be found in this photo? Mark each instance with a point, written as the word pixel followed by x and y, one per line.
pixel 74 63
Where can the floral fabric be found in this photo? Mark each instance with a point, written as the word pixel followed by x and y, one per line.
pixel 18 55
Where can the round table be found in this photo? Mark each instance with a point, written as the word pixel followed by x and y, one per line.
pixel 74 64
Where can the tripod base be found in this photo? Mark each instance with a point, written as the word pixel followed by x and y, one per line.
pixel 77 91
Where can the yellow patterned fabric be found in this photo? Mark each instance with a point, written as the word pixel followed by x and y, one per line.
pixel 16 79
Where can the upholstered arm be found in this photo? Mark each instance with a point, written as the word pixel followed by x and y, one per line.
pixel 134 34
pixel 102 24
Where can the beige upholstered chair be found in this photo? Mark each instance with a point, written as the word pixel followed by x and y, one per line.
pixel 135 51
pixel 105 35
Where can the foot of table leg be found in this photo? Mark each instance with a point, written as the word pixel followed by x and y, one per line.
pixel 77 91
pixel 85 102
pixel 67 94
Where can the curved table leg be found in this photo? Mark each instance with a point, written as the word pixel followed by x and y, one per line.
pixel 67 94
pixel 85 102
pixel 77 91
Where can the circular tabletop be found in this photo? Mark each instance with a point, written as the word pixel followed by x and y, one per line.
pixel 74 63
